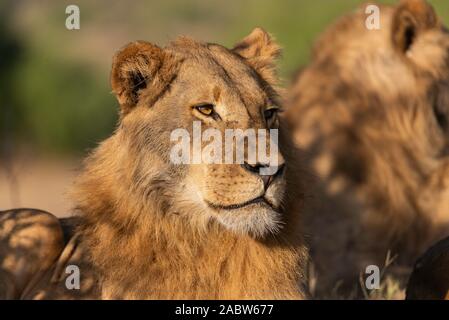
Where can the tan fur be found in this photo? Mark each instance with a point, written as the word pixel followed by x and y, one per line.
pixel 367 111
pixel 154 230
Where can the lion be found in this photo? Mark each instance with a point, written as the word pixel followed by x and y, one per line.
pixel 371 111
pixel 146 228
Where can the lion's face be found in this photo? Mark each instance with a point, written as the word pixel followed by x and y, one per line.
pixel 196 89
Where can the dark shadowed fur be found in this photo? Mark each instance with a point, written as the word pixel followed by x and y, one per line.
pixel 430 277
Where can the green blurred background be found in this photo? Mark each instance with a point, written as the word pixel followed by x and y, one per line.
pixel 54 83
pixel 55 98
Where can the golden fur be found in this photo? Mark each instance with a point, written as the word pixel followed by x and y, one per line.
pixel 149 229
pixel 372 112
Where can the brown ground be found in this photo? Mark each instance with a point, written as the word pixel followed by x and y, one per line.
pixel 37 182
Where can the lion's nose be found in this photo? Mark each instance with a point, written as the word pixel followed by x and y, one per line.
pixel 264 171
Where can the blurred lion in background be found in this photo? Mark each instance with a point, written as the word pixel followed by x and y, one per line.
pixel 372 112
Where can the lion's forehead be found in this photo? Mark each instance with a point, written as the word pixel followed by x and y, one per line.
pixel 217 72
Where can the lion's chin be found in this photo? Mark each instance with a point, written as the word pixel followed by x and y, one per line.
pixel 257 220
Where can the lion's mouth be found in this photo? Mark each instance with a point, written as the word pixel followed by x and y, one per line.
pixel 257 200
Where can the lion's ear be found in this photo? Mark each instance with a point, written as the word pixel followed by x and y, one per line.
pixel 261 51
pixel 411 18
pixel 139 65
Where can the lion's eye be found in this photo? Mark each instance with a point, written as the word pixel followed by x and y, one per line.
pixel 269 113
pixel 206 109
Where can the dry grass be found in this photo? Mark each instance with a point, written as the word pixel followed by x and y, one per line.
pixel 392 284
